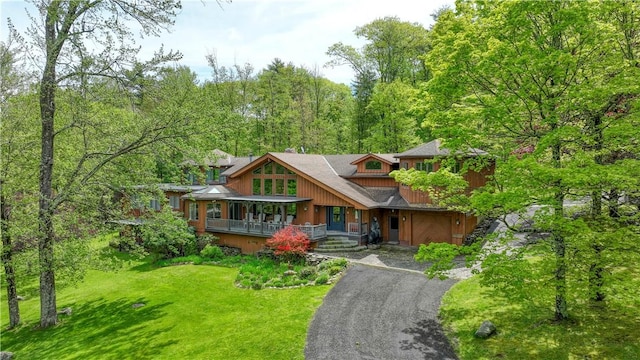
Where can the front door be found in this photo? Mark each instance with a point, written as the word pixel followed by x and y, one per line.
pixel 393 229
pixel 335 218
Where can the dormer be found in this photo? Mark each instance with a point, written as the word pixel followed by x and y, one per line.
pixel 375 164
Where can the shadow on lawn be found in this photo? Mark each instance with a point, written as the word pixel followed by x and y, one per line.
pixel 98 329
pixel 592 332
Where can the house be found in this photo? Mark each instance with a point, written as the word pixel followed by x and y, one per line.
pixel 323 194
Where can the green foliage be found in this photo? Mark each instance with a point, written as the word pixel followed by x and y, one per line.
pixel 442 256
pixel 258 273
pixel 524 327
pixel 212 252
pixel 322 278
pixel 511 78
pixel 166 234
pixel 308 272
pixel 445 188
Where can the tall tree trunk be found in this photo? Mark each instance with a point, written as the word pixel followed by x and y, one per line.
pixel 7 261
pixel 48 314
pixel 596 280
pixel 559 246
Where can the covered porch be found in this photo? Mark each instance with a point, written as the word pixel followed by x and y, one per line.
pixel 263 216
pixel 263 228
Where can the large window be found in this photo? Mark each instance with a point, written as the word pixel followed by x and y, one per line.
pixel 274 179
pixel 373 165
pixel 268 187
pixel 426 167
pixel 174 202
pixel 155 204
pixel 193 211
pixel 279 186
pixel 214 211
pixel 213 174
pixel 291 187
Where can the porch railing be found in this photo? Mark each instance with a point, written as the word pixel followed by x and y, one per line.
pixel 314 232
pixel 356 229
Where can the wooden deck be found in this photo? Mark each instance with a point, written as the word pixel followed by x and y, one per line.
pixel 266 229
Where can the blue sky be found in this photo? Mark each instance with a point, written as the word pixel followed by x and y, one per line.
pixel 257 31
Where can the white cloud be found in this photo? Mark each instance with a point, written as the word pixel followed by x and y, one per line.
pixel 257 31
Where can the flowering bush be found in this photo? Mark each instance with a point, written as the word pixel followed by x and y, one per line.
pixel 289 244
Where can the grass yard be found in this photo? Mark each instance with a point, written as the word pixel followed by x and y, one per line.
pixel 526 332
pixel 191 312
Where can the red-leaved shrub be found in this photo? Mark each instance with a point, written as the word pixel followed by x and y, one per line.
pixel 289 244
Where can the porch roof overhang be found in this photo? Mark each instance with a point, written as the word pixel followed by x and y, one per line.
pixel 267 199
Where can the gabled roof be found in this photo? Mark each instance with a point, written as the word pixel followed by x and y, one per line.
pixel 433 149
pixel 238 164
pixel 385 158
pixel 318 170
pixel 343 164
pixel 212 192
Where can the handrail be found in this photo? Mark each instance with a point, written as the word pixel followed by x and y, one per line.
pixel 263 228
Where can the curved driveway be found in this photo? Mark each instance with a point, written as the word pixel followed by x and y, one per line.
pixel 380 313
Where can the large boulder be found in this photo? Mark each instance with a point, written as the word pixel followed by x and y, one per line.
pixel 6 355
pixel 485 330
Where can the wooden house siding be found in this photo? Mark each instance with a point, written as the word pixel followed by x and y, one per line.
pixel 362 168
pixel 320 196
pixel 247 244
pixel 414 196
pixel 430 227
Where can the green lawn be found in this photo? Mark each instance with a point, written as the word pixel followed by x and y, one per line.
pixel 191 312
pixel 609 331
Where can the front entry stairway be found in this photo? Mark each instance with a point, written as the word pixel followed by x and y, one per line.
pixel 336 244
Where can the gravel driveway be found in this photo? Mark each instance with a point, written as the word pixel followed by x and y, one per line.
pixel 380 313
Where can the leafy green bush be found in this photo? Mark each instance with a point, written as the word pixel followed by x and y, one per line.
pixel 206 239
pixel 335 270
pixel 308 272
pixel 342 263
pixel 322 279
pixel 212 252
pixel 165 234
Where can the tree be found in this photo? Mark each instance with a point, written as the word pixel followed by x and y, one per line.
pixel 394 129
pixel 394 52
pixel 65 33
pixel 519 79
pixel 16 150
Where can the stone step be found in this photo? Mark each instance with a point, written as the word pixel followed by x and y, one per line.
pixel 347 249
pixel 339 242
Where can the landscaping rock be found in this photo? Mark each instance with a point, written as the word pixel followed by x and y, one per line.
pixel 137 305
pixel 20 298
pixel 485 330
pixel 65 311
pixel 290 273
pixel 313 259
pixel 6 355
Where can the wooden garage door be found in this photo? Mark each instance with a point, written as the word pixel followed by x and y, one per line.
pixel 429 227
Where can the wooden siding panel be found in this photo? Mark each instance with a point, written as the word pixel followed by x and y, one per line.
pixel 414 197
pixel 430 227
pixel 248 244
pixel 307 189
pixel 361 167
